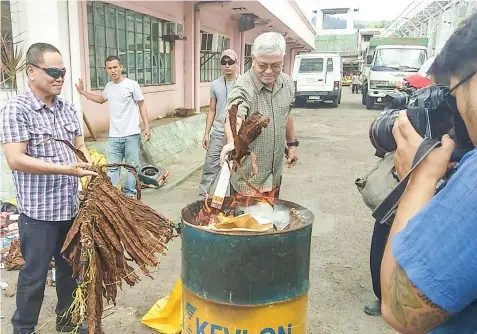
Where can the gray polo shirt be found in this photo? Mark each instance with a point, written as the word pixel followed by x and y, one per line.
pixel 219 90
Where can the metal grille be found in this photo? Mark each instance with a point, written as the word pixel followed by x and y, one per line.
pixel 135 38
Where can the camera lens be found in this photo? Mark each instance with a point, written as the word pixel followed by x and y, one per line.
pixel 381 132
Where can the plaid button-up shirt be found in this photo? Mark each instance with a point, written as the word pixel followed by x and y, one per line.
pixel 269 147
pixel 25 118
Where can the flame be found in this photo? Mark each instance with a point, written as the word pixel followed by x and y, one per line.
pixel 206 205
pixel 273 193
pixel 268 197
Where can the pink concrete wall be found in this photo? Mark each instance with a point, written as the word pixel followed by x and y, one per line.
pixel 212 23
pixel 161 100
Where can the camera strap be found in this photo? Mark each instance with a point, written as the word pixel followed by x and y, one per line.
pixel 386 209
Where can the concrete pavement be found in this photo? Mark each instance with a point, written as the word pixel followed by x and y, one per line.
pixel 334 151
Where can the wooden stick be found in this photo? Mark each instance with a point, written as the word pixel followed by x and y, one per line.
pixel 85 119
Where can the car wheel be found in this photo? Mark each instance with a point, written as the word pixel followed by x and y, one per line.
pixel 335 102
pixel 369 102
pixel 300 102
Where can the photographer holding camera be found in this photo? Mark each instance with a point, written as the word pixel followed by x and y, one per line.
pixel 429 268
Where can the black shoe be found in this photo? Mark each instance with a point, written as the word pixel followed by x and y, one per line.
pixel 373 308
pixel 66 325
pixel 23 331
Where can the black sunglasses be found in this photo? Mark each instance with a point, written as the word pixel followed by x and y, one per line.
pixel 53 72
pixel 463 81
pixel 224 62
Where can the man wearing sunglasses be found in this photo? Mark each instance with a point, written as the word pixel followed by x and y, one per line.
pixel 46 175
pixel 266 89
pixel 215 140
pixel 429 268
pixel 124 98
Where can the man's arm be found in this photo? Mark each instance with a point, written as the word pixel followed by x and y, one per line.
pixel 290 129
pixel 98 98
pixel 143 112
pixel 145 118
pixel 413 249
pixel 81 145
pixel 228 130
pixel 139 98
pixel 292 156
pixel 15 137
pixel 238 96
pixel 404 306
pixel 18 160
pixel 209 121
pixel 210 116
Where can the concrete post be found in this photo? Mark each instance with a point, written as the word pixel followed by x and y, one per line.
pixel 74 46
pixel 242 53
pixel 189 55
pixel 197 42
pixel 46 12
pixel 61 29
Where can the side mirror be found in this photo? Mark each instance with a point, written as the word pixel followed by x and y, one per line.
pixel 369 59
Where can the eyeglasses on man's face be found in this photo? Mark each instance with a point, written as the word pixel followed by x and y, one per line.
pixel 275 67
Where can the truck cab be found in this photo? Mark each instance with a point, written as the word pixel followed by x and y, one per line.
pixel 318 78
pixel 387 63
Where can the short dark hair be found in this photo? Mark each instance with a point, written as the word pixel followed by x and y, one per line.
pixel 458 57
pixel 36 51
pixel 111 58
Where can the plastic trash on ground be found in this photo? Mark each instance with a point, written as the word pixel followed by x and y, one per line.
pixel 165 316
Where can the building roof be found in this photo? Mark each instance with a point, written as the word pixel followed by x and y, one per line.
pixel 342 44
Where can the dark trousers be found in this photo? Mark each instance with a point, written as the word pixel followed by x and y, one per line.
pixel 355 88
pixel 378 244
pixel 39 242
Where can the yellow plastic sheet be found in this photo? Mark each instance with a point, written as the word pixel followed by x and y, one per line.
pixel 165 316
pixel 97 158
pixel 12 201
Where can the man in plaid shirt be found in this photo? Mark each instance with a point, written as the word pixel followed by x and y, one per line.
pixel 266 89
pixel 46 175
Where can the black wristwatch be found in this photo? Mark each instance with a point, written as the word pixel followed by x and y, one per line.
pixel 293 143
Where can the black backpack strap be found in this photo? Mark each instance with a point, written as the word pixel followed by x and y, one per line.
pixel 387 207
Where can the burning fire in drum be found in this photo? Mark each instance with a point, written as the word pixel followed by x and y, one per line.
pixel 245 267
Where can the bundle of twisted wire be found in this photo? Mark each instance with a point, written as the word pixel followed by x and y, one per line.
pixel 110 227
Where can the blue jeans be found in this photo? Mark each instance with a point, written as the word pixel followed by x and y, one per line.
pixel 124 149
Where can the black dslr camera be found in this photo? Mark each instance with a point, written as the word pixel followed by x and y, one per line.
pixel 432 112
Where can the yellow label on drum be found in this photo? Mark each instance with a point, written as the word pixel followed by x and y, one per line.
pixel 202 316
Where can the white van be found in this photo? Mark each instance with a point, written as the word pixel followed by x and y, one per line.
pixel 318 77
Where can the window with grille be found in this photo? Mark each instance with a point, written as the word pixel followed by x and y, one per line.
pixel 247 57
pixel 135 38
pixel 210 68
